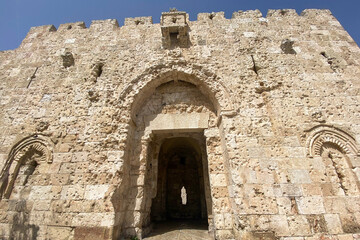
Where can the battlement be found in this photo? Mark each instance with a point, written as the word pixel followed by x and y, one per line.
pixel 113 23
pixel 317 16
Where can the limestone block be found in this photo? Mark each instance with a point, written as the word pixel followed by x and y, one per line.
pixel 333 223
pixel 291 189
pixel 219 221
pixel 94 192
pixel 62 157
pixel 59 179
pixel 115 156
pixel 40 192
pixel 73 192
pixel 79 157
pixel 91 233
pixel 311 189
pixel 280 225
pixel 224 234
pixel 299 176
pixel 60 233
pixel 94 219
pixel 218 180
pixel 335 205
pixel 185 121
pixel 347 237
pixel 67 167
pixel 349 223
pixel 263 205
pixel 42 205
pixel 353 204
pixel 221 205
pixel 310 205
pixel 298 225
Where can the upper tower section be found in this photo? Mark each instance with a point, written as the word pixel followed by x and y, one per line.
pixel 174 29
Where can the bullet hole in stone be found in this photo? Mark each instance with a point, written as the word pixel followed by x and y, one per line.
pixel 261 84
pixel 287 46
pixel 68 59
pixel 97 70
pixel 93 96
pixel 331 61
pixel 69 27
pixel 174 20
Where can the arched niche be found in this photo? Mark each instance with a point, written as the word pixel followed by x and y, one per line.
pixel 28 152
pixel 338 151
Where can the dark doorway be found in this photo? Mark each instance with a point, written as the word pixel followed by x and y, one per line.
pixel 180 184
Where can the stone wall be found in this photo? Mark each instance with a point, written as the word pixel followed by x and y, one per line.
pixel 280 96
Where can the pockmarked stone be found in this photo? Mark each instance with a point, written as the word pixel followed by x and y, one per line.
pixel 217 128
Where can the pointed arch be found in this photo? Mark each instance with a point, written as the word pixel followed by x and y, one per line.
pixel 19 155
pixel 208 83
pixel 327 134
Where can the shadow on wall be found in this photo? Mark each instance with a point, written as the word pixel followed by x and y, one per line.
pixel 20 229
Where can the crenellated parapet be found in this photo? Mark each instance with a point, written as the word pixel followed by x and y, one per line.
pixel 112 24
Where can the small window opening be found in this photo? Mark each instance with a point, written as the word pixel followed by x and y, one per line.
pixel 211 16
pixel 183 196
pixel 137 22
pixel 174 19
pixel 174 38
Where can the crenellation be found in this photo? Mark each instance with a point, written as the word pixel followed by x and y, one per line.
pixel 104 25
pixel 71 26
pixel 247 14
pixel 281 13
pixel 138 21
pixel 209 17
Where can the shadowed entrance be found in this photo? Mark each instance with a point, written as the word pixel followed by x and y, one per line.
pixel 180 192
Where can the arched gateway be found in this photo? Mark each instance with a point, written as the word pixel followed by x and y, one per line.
pixel 175 134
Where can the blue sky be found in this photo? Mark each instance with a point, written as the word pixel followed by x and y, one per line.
pixel 17 16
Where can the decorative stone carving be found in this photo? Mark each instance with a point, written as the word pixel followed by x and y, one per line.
pixel 32 150
pixel 322 134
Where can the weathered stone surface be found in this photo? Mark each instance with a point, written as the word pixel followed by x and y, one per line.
pixel 250 124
